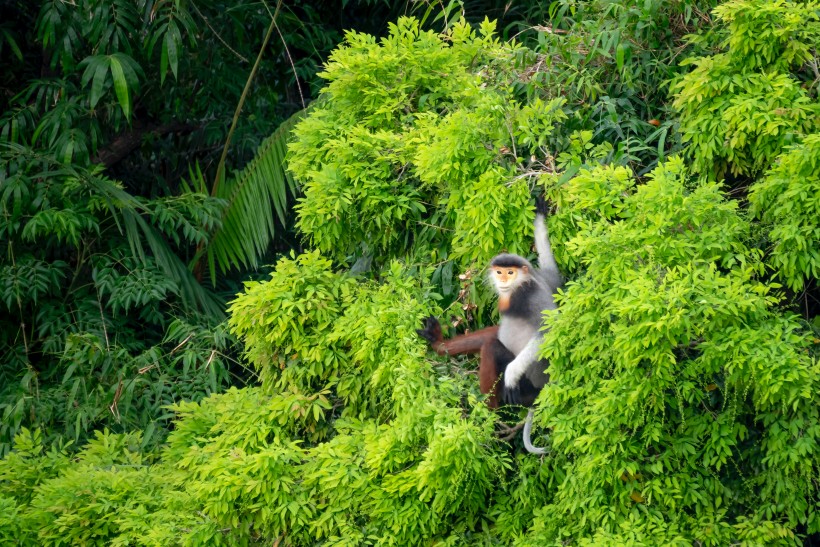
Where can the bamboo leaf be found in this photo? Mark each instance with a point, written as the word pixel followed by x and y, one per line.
pixel 172 39
pixel 9 39
pixel 97 84
pixel 120 86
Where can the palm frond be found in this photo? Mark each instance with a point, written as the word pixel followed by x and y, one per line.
pixel 256 198
pixel 125 209
pixel 193 294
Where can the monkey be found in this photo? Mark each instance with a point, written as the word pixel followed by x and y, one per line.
pixel 510 349
pixel 522 297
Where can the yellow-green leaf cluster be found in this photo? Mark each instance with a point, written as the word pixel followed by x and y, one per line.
pixel 679 394
pixel 741 107
pixel 420 144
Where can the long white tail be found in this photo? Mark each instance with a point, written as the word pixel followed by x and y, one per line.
pixel 527 442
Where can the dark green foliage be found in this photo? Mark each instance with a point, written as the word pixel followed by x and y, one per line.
pixel 112 118
pixel 248 227
pixel 106 319
pixel 104 324
pixel 612 62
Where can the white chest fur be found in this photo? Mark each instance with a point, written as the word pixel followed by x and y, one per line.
pixel 514 333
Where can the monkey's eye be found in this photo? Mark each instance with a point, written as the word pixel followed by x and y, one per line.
pixel 510 272
pixel 498 272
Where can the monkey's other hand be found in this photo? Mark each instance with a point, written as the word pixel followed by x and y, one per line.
pixel 431 331
pixel 511 396
pixel 512 376
pixel 540 206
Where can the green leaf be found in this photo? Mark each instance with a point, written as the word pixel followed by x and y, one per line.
pixel 256 197
pixel 120 86
pixel 163 62
pixel 12 44
pixel 620 53
pixel 171 44
pixel 98 82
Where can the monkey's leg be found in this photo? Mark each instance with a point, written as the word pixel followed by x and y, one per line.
pixel 494 359
pixel 465 343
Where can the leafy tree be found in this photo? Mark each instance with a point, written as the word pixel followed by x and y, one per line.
pixel 786 200
pixel 741 106
pixel 682 406
pixel 105 323
pixel 691 400
pixel 413 150
pixel 612 63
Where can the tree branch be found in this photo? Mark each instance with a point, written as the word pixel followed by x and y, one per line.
pixel 125 143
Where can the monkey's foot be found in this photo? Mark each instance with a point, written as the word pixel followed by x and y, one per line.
pixel 431 331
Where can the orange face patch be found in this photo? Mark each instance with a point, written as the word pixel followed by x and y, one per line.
pixel 505 275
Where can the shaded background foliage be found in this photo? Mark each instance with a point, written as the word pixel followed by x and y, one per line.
pixel 119 245
pixel 676 142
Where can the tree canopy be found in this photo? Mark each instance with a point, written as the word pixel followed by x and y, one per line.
pixel 678 147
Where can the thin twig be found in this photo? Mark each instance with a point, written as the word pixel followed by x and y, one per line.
pixel 218 37
pixel 220 170
pixel 292 66
pixel 548 29
pixel 114 408
pixel 529 174
pixel 181 344
pixel 814 66
pixel 19 301
pixel 434 226
pixel 102 318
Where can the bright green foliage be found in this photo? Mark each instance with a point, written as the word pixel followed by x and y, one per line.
pixel 685 405
pixel 29 465
pixel 590 196
pixel 788 200
pixel 399 436
pixel 72 504
pixel 264 315
pixel 739 108
pixel 408 458
pixel 418 141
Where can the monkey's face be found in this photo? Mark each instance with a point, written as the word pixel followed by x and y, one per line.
pixel 507 278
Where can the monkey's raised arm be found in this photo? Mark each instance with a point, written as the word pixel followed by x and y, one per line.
pixel 546 260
